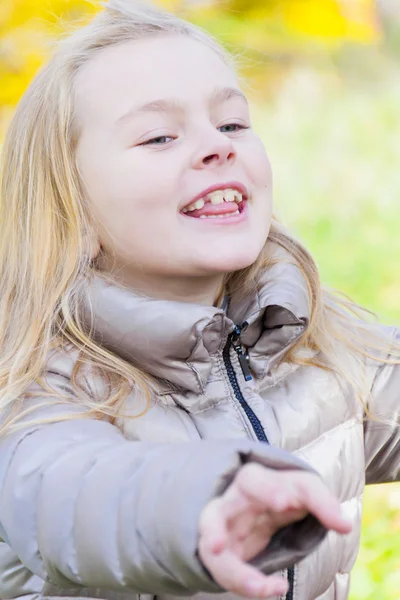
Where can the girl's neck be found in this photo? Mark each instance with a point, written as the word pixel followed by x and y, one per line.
pixel 197 290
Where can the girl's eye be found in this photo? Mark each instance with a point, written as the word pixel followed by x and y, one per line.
pixel 158 141
pixel 164 139
pixel 232 127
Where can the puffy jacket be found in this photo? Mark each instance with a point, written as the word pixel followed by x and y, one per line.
pixel 101 510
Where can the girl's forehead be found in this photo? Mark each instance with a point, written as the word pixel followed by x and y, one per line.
pixel 142 71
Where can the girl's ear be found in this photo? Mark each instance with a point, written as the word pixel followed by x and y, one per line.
pixel 93 246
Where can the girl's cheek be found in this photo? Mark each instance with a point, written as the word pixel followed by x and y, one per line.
pixel 260 168
pixel 258 150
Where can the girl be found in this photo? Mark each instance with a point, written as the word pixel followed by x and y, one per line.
pixel 184 409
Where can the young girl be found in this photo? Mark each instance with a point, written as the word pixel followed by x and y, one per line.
pixel 184 409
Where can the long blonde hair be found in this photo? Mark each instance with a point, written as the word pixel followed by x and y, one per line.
pixel 45 222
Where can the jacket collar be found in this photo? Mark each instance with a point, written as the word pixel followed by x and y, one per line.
pixel 175 341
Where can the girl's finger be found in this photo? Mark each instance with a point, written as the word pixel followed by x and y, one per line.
pixel 238 577
pixel 253 489
pixel 213 528
pixel 281 491
pixel 319 501
pixel 252 545
pixel 281 519
pixel 235 502
pixel 265 489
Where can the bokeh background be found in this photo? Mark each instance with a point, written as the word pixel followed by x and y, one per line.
pixel 323 77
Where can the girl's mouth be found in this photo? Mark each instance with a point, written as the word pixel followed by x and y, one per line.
pixel 219 204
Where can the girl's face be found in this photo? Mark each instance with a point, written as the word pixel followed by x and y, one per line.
pixel 163 123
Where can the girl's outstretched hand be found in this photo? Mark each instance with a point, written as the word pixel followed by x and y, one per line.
pixel 236 526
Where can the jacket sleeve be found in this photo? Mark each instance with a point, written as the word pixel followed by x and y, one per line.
pixel 81 505
pixel 382 431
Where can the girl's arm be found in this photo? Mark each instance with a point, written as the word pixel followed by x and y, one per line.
pixel 382 431
pixel 79 504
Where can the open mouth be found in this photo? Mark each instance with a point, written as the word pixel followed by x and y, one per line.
pixel 220 203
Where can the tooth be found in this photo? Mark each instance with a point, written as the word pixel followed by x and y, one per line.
pixel 238 197
pixel 199 204
pixel 184 210
pixel 216 197
pixel 190 207
pixel 203 217
pixel 230 195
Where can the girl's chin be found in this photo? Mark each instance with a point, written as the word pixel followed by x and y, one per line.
pixel 229 262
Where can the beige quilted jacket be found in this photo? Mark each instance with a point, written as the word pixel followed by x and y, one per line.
pixel 91 509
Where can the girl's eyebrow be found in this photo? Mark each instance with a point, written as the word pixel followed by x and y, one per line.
pixel 174 105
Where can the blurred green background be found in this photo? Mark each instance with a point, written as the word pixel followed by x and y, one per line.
pixel 323 77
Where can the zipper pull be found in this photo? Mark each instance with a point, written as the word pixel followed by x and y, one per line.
pixel 243 358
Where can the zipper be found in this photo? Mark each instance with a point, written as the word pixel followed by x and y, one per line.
pixel 234 341
pixel 290 576
pixel 242 356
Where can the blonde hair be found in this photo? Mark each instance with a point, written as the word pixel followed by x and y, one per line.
pixel 45 224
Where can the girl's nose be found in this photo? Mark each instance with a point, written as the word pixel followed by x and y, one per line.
pixel 215 152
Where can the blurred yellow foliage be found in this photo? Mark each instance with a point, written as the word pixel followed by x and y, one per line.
pixel 27 26
pixel 354 19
